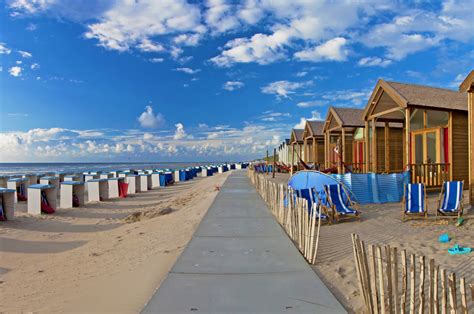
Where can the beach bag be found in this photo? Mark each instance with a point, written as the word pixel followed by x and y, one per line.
pixel 3 215
pixel 75 201
pixel 123 189
pixel 45 207
pixel 21 193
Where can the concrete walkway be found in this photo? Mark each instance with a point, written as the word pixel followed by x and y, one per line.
pixel 241 261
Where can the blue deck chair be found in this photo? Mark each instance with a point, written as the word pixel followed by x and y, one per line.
pixel 339 201
pixel 414 201
pixel 451 199
pixel 313 202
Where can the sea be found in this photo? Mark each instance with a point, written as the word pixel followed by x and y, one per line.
pixel 23 168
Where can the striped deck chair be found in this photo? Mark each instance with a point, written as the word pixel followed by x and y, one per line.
pixel 414 201
pixel 340 202
pixel 313 202
pixel 450 199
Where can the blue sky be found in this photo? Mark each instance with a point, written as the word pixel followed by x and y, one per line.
pixel 176 80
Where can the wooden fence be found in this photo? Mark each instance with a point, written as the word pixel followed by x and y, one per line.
pixel 395 283
pixel 295 217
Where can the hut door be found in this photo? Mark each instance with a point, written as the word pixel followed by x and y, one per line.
pixel 426 146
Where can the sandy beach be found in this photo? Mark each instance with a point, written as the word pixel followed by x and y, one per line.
pixel 104 257
pixel 381 224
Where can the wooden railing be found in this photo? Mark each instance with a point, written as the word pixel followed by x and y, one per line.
pixel 357 167
pixel 431 174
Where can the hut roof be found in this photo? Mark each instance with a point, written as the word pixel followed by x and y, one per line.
pixel 349 116
pixel 468 83
pixel 427 96
pixel 297 135
pixel 317 127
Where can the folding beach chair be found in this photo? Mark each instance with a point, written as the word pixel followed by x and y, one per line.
pixel 313 203
pixel 414 201
pixel 450 199
pixel 340 203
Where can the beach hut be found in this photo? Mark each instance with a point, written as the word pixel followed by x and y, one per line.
pixel 344 139
pixel 106 175
pixel 297 146
pixel 145 182
pixel 313 144
pixel 155 179
pixel 72 178
pixel 42 197
pixel 20 185
pixel 90 176
pixel 468 86
pixel 60 176
pixel 3 181
pixel 133 183
pixel 50 180
pixel 32 178
pixel 425 132
pixel 98 190
pixel 7 204
pixel 72 194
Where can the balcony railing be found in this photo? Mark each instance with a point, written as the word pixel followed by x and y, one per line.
pixel 431 174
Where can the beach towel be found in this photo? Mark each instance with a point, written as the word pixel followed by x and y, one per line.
pixel 3 215
pixel 45 207
pixel 452 197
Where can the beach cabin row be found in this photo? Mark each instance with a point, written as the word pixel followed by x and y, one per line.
pixel 41 191
pixel 403 127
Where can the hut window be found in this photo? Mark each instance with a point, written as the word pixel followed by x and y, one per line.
pixel 359 134
pixel 417 120
pixel 436 118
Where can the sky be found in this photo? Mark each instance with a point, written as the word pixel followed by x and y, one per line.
pixel 177 80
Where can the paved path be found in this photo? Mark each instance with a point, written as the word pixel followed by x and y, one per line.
pixel 240 261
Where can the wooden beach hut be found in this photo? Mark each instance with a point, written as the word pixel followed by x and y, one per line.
pixel 424 131
pixel 468 86
pixel 313 144
pixel 344 139
pixel 297 143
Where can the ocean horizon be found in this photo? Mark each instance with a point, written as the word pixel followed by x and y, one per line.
pixel 33 167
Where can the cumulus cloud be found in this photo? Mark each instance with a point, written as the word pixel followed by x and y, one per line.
pixel 233 85
pixel 282 89
pixel 147 45
pixel 148 119
pixel 35 66
pixel 180 133
pixel 15 71
pixel 313 103
pixel 315 116
pixel 331 50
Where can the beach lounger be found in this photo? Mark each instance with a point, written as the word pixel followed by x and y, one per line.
pixel 340 203
pixel 414 201
pixel 450 202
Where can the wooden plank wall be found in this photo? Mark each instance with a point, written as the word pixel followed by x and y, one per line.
pixel 459 146
pixel 396 149
pixel 380 149
pixel 349 149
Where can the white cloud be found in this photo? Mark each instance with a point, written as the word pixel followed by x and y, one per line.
pixel 374 61
pixel 35 66
pixel 148 119
pixel 180 133
pixel 127 24
pixel 147 45
pixel 233 85
pixel 282 89
pixel 313 103
pixel 355 98
pixel 331 50
pixel 315 116
pixel 18 62
pixel 31 27
pixel 4 49
pixel 271 116
pixel 220 16
pixel 25 54
pixel 187 39
pixel 147 136
pixel 156 60
pixel 15 71
pixel 187 70
pixel 301 74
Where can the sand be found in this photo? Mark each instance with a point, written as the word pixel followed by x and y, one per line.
pixel 104 257
pixel 381 224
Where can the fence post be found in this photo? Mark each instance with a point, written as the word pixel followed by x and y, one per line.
pixel 403 299
pixel 462 288
pixel 422 285
pixel 443 292
pixel 412 283
pixel 452 293
pixel 381 280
